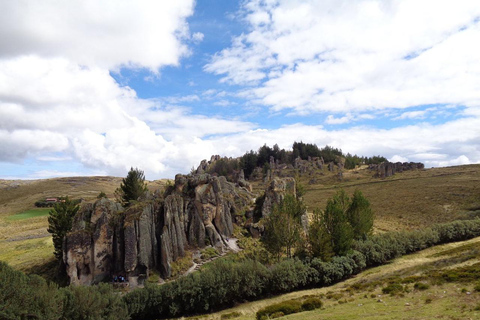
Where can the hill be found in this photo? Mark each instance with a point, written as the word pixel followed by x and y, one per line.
pixel 407 200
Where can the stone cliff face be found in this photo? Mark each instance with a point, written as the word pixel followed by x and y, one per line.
pixel 108 240
pixel 387 169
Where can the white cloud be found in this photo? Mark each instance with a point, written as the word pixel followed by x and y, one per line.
pixel 223 103
pixel 332 120
pixel 106 34
pixel 339 56
pixel 412 115
pixel 397 158
pixel 434 145
pixel 197 37
pixel 57 96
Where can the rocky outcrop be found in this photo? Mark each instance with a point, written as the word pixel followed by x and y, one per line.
pixel 387 169
pixel 275 193
pixel 108 240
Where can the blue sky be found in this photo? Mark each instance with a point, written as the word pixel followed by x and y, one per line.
pixel 94 88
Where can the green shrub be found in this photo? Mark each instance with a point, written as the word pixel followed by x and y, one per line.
pixel 230 315
pixel 312 304
pixel 477 287
pixel 209 253
pixel 421 286
pixel 277 315
pixel 393 288
pixel 285 307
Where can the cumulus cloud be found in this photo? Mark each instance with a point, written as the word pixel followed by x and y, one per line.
pixel 60 103
pixel 339 56
pixel 57 95
pixel 107 34
pixel 435 145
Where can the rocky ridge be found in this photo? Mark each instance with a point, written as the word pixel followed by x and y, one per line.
pixel 107 239
pixel 388 169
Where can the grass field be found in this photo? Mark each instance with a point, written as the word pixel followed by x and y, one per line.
pixel 32 213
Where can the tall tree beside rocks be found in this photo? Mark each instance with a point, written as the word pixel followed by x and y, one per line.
pixel 132 187
pixel 360 216
pixel 60 223
pixel 319 237
pixel 337 224
pixel 283 226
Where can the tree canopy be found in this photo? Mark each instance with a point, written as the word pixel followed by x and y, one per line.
pixel 333 230
pixel 283 226
pixel 132 187
pixel 60 223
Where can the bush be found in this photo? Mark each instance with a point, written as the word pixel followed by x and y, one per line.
pixel 230 315
pixel 286 307
pixel 94 302
pixel 421 286
pixel 393 289
pixel 288 275
pixel 27 297
pixel 312 304
pixel 30 297
pixel 477 287
pixel 209 253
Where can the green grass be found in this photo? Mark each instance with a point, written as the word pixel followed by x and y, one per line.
pixel 32 213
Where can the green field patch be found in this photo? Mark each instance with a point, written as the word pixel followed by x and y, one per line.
pixel 32 213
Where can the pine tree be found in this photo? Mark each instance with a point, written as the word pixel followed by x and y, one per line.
pixel 319 239
pixel 132 187
pixel 337 224
pixel 360 216
pixel 60 223
pixel 283 226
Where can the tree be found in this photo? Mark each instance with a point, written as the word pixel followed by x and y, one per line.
pixel 132 187
pixel 283 226
pixel 332 231
pixel 248 162
pixel 360 216
pixel 60 223
pixel 337 225
pixel 319 239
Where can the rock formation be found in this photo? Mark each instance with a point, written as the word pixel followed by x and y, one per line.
pixel 276 192
pixel 387 169
pixel 108 240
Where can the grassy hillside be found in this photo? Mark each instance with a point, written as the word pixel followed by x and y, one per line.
pixel 24 240
pixel 442 282
pixel 407 200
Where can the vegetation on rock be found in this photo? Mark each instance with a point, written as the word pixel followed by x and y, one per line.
pixel 132 187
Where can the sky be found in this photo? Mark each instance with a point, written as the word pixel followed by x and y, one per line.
pixel 92 87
